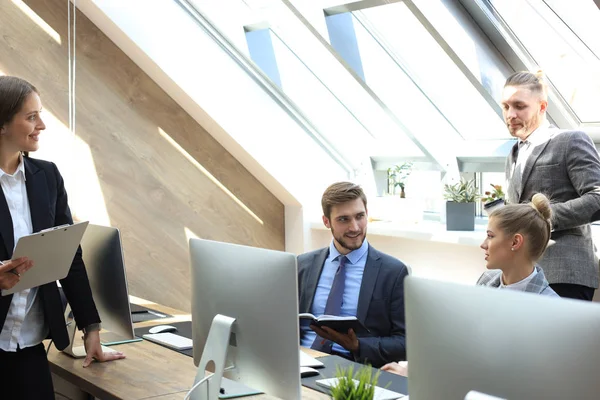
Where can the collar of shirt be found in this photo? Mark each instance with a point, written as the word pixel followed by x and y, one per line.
pixel 354 256
pixel 521 284
pixel 538 136
pixel 20 170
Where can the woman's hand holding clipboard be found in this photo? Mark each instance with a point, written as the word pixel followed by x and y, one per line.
pixel 51 250
pixel 11 270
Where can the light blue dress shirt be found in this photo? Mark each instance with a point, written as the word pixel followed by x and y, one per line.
pixel 355 267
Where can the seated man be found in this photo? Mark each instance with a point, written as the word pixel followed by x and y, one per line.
pixel 351 278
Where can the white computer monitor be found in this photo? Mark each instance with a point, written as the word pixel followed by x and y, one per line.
pixel 504 343
pixel 259 288
pixel 103 257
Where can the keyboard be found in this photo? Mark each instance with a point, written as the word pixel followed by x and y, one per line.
pixel 308 361
pixel 170 340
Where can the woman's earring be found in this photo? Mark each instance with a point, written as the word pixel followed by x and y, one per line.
pixel 512 249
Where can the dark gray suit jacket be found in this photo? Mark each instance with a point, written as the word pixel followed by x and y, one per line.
pixel 566 168
pixel 380 303
pixel 49 207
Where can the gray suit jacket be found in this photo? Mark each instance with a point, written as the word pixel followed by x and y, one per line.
pixel 380 303
pixel 566 168
pixel 538 284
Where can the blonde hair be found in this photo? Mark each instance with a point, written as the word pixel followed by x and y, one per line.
pixel 532 220
pixel 534 82
pixel 341 192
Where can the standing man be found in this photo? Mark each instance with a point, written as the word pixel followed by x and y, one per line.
pixel 564 165
pixel 351 278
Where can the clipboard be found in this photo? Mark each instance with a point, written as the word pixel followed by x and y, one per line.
pixel 52 251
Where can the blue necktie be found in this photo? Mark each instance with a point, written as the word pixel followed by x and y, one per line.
pixel 334 304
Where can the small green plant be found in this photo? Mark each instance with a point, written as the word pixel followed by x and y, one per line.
pixel 461 192
pixel 398 174
pixel 495 194
pixel 351 386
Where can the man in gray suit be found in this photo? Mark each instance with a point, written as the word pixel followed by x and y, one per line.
pixel 351 278
pixel 564 165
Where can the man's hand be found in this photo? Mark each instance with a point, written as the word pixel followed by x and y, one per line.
pixel 348 341
pixel 11 270
pixel 93 350
pixel 399 368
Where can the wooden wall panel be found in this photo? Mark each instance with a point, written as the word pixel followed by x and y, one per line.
pixel 150 190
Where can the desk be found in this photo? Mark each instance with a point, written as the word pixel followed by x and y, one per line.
pixel 149 371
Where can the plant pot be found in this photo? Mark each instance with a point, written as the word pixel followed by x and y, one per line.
pixel 460 216
pixel 488 208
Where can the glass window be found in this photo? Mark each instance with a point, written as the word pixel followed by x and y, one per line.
pixel 434 71
pixel 470 44
pixel 568 63
pixel 311 77
pixel 402 96
pixel 421 187
pixel 317 102
pixel 582 17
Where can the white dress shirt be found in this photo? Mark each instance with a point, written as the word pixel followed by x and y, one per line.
pixel 526 147
pixel 521 285
pixel 355 267
pixel 537 137
pixel 24 325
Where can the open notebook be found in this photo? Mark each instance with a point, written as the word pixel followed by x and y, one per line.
pixel 340 324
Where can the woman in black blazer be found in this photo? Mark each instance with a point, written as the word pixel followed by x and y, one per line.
pixel 34 198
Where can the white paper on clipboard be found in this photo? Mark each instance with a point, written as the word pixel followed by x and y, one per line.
pixel 52 252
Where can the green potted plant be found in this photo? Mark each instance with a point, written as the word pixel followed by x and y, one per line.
pixel 398 174
pixel 460 207
pixel 351 386
pixel 493 199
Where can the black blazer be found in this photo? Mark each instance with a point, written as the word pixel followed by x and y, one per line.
pixel 380 303
pixel 48 205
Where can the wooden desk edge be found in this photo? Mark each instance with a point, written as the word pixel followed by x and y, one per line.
pixel 96 390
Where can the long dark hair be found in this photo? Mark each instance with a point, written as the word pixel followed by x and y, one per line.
pixel 13 93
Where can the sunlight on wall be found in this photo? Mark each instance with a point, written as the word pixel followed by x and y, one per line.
pixel 56 141
pixel 89 203
pixel 189 234
pixel 208 174
pixel 76 164
pixel 37 20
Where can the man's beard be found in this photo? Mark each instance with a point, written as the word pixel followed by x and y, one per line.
pixel 345 243
pixel 526 128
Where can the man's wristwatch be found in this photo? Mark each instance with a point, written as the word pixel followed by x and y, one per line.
pixel 91 328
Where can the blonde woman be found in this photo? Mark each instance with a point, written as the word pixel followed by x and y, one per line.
pixel 517 236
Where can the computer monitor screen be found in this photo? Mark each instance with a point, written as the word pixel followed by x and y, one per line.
pixel 103 258
pixel 259 288
pixel 504 343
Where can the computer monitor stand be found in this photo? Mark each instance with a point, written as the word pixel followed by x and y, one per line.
pixel 215 350
pixel 79 351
